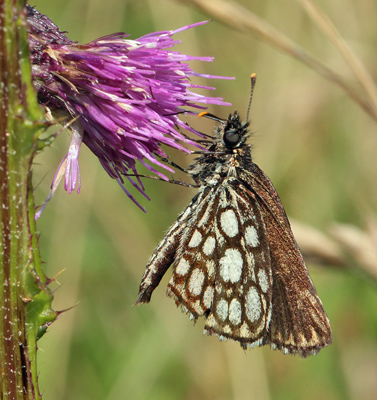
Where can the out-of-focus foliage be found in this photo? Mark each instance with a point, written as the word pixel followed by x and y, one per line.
pixel 317 146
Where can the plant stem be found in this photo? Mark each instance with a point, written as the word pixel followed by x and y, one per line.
pixel 25 300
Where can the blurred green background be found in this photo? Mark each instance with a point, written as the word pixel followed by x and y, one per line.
pixel 319 149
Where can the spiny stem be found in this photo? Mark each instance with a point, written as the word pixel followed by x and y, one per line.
pixel 25 301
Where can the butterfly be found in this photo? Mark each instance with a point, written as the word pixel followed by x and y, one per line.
pixel 234 258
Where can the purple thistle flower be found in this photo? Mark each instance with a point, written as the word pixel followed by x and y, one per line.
pixel 120 97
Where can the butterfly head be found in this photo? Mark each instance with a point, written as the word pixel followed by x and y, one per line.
pixel 231 134
pixel 226 152
pixel 234 132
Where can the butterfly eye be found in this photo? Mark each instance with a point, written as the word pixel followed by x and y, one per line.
pixel 232 138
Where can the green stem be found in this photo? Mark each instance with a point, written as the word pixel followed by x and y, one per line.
pixel 25 300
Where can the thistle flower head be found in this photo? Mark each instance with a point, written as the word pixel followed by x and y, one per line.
pixel 120 97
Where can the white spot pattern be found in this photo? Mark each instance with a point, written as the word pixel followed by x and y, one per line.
pixel 245 331
pixel 263 280
pixel 253 305
pixel 229 223
pixel 222 309
pixel 182 267
pixel 235 312
pixel 208 297
pixel 196 282
pixel 251 235
pixel 231 265
pixel 211 268
pixel 209 245
pixel 195 239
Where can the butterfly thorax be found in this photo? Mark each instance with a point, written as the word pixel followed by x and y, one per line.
pixel 227 154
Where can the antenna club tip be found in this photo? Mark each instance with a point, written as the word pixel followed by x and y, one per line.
pixel 202 114
pixel 253 78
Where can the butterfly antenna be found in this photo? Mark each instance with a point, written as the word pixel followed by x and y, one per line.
pixel 211 116
pixel 253 78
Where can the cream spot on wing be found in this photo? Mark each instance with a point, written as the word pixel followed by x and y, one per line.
pixel 226 329
pixel 231 265
pixel 186 213
pixel 211 321
pixel 222 309
pixel 182 267
pixel 235 312
pixel 209 245
pixel 245 331
pixel 253 305
pixel 263 280
pixel 196 238
pixel 196 282
pixel 210 264
pixel 208 297
pixel 251 235
pixel 229 223
pixel 250 260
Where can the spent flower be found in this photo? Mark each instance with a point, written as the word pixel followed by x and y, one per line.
pixel 122 98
